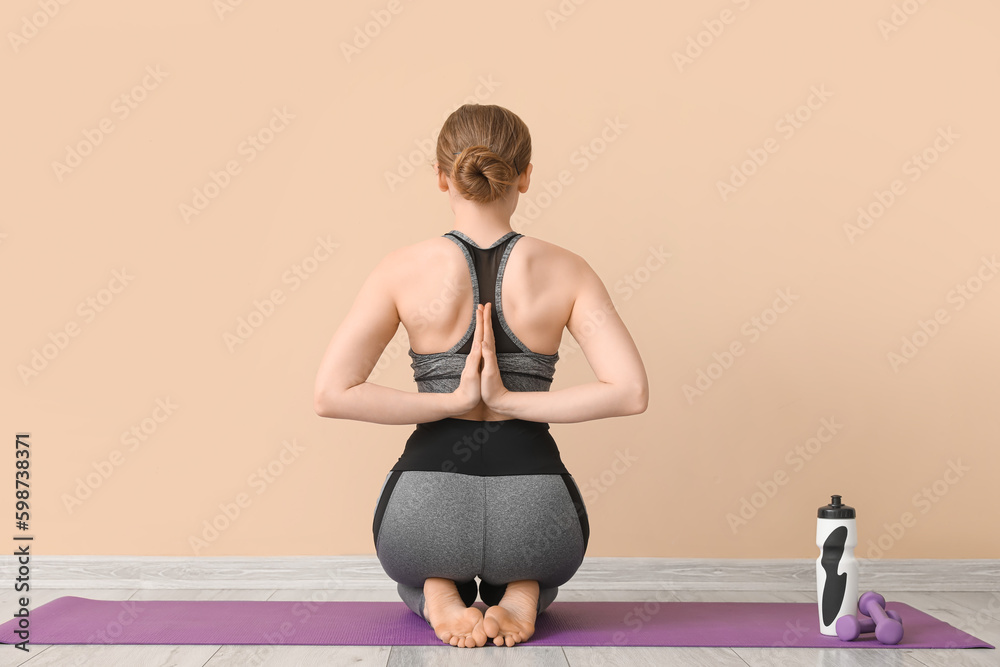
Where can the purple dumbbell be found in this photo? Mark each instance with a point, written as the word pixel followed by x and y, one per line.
pixel 850 628
pixel 887 630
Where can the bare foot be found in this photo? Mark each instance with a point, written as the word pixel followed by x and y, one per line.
pixel 453 622
pixel 513 620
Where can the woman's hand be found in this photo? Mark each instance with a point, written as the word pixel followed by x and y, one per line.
pixel 492 389
pixel 468 393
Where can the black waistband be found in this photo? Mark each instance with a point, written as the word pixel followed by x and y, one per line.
pixel 484 448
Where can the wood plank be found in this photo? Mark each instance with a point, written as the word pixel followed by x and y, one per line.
pixel 746 596
pixel 849 657
pixel 987 604
pixel 452 656
pixel 123 655
pixel 652 656
pixel 296 656
pixel 597 573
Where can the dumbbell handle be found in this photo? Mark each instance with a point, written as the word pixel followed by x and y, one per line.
pixel 876 612
pixel 851 629
pixel 868 624
pixel 887 629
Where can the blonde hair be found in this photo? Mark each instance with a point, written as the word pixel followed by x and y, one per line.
pixel 483 148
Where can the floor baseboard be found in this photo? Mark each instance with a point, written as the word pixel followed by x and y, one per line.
pixel 598 573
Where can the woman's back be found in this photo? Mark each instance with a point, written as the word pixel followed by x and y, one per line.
pixel 434 295
pixel 435 299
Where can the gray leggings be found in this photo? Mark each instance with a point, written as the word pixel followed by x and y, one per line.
pixel 498 528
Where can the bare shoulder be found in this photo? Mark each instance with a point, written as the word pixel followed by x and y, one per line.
pixel 560 260
pixel 579 281
pixel 410 259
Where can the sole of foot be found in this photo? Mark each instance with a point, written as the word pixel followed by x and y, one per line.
pixel 453 622
pixel 513 620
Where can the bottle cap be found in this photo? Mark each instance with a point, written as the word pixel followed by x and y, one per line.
pixel 835 510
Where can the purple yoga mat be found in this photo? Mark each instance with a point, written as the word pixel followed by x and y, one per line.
pixel 76 620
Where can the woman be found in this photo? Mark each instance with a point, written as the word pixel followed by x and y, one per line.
pixel 480 489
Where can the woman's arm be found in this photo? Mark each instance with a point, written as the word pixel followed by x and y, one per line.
pixel 378 404
pixel 341 390
pixel 585 402
pixel 621 387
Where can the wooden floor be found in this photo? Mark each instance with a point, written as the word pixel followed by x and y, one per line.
pixel 976 613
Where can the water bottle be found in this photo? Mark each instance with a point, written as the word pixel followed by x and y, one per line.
pixel 836 567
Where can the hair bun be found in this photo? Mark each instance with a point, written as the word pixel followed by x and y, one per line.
pixel 481 175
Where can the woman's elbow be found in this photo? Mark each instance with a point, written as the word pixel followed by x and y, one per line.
pixel 640 400
pixel 320 407
pixel 324 406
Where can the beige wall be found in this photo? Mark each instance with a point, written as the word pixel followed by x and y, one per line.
pixel 841 106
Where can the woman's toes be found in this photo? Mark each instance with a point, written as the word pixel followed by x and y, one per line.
pixel 464 630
